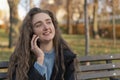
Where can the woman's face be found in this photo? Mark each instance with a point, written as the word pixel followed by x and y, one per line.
pixel 43 26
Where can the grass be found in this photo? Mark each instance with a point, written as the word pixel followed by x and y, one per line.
pixel 5 52
pixel 76 42
pixel 99 46
pixel 3 35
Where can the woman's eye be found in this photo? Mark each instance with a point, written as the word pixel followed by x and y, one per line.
pixel 38 25
pixel 49 22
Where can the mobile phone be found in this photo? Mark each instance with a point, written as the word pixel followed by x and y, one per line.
pixel 38 42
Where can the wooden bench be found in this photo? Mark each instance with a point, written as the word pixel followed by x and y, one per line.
pixel 90 67
pixel 98 67
pixel 3 70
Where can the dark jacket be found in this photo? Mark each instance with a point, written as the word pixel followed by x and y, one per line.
pixel 69 57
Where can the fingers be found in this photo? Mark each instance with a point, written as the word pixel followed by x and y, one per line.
pixel 34 41
pixel 36 50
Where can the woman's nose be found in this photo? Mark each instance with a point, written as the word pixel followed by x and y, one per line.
pixel 46 26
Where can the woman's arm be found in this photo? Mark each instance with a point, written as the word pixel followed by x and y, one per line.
pixel 69 59
pixel 33 74
pixel 70 71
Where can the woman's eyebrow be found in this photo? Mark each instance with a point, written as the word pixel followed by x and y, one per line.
pixel 41 21
pixel 48 20
pixel 37 23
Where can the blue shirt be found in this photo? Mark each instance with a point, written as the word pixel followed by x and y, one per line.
pixel 46 68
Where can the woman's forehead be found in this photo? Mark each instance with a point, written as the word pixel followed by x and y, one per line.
pixel 41 17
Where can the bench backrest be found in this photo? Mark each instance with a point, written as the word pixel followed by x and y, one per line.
pixel 99 66
pixel 3 70
pixel 90 67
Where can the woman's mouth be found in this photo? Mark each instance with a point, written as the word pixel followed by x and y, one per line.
pixel 46 33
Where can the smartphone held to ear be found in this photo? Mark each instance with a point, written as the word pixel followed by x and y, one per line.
pixel 38 42
pixel 33 35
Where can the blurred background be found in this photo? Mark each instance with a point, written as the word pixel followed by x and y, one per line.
pixel 90 27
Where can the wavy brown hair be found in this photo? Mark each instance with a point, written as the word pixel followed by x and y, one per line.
pixel 22 58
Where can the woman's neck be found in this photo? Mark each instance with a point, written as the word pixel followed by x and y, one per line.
pixel 47 46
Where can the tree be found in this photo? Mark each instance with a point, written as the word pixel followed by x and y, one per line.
pixel 95 21
pixel 31 4
pixel 86 29
pixel 113 22
pixel 13 18
pixel 114 4
pixel 69 16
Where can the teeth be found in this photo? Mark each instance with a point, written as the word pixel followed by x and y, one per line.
pixel 46 33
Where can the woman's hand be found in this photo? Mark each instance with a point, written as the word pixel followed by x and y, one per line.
pixel 36 50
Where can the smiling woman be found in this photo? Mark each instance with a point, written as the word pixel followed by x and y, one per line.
pixel 41 53
pixel 43 27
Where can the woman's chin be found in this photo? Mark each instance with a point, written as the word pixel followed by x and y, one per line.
pixel 47 40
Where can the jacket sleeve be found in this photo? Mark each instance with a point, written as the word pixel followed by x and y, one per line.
pixel 40 68
pixel 70 71
pixel 69 66
pixel 33 74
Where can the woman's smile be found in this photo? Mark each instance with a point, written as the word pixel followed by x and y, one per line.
pixel 46 33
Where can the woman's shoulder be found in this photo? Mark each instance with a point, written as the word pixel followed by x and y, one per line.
pixel 68 55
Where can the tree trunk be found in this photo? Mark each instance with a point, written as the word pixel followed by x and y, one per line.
pixel 31 4
pixel 69 15
pixel 86 30
pixel 95 22
pixel 10 30
pixel 113 22
pixel 13 19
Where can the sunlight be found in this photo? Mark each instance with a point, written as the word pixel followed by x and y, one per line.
pixel 5 10
pixel 4 5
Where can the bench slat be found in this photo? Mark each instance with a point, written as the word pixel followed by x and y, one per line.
pixel 103 74
pixel 3 64
pixel 3 75
pixel 98 58
pixel 99 67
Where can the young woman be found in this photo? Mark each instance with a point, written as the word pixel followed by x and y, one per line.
pixel 41 53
